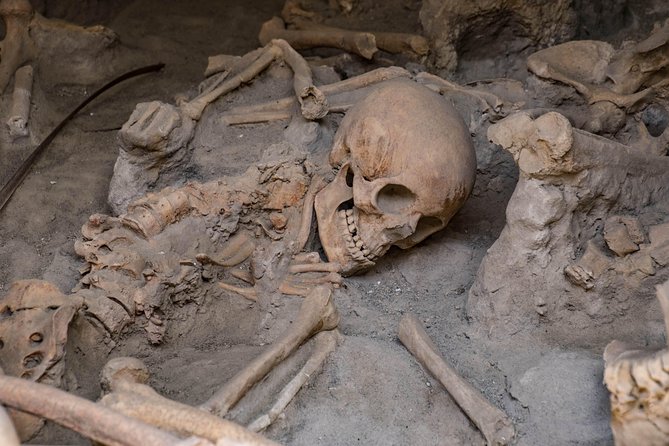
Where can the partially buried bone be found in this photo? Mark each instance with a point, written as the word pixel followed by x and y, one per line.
pixel 341 96
pixel 316 314
pixel 494 424
pixel 156 137
pixel 639 384
pixel 125 380
pixel 33 333
pixel 360 43
pixel 324 344
pixel 85 417
pixel 20 109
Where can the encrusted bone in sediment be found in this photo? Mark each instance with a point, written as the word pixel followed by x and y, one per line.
pixel 356 247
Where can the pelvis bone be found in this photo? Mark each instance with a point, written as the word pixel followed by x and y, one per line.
pixel 406 165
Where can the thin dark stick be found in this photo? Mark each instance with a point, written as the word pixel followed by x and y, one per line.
pixel 20 175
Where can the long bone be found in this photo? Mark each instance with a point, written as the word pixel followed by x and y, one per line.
pixel 85 417
pixel 324 344
pixel 20 108
pixel 131 396
pixel 316 314
pixel 360 43
pixel 494 424
pixel 391 42
pixel 307 93
pixel 335 93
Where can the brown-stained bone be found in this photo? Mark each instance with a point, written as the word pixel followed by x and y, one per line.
pixel 638 382
pixel 324 344
pixel 316 314
pixel 85 417
pixel 19 111
pixel 33 332
pixel 494 424
pixel 341 96
pixel 360 43
pixel 126 379
pixel 390 42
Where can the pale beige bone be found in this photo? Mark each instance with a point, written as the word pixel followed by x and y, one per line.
pixel 19 111
pixel 17 47
pixel 85 417
pixel 324 344
pixel 126 379
pixel 312 101
pixel 387 41
pixel 335 93
pixel 360 43
pixel 316 314
pixel 8 435
pixel 238 248
pixel 639 383
pixel 495 425
pixel 393 205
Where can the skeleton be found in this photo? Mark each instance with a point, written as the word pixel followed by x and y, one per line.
pixel 638 384
pixel 141 261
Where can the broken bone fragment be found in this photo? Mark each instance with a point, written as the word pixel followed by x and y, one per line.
pixel 20 109
pixel 387 192
pixel 496 427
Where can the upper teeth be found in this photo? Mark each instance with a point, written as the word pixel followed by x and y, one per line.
pixel 354 243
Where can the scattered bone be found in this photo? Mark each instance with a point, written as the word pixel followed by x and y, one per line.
pixel 638 382
pixel 360 43
pixel 20 109
pixel 239 248
pixel 130 396
pixel 494 424
pixel 336 94
pixel 317 313
pixel 220 63
pixel 324 344
pixel 390 42
pixel 85 417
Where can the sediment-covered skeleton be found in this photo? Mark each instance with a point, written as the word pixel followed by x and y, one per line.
pixel 247 234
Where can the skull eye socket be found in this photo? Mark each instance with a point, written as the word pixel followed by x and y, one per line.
pixel 393 198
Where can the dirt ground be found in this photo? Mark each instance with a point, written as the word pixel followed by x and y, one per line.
pixel 371 390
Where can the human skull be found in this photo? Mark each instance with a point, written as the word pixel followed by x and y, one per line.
pixel 406 165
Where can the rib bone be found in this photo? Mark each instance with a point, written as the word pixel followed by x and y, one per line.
pixel 317 313
pixel 494 424
pixel 362 44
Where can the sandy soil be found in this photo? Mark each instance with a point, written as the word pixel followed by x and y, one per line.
pixel 371 390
